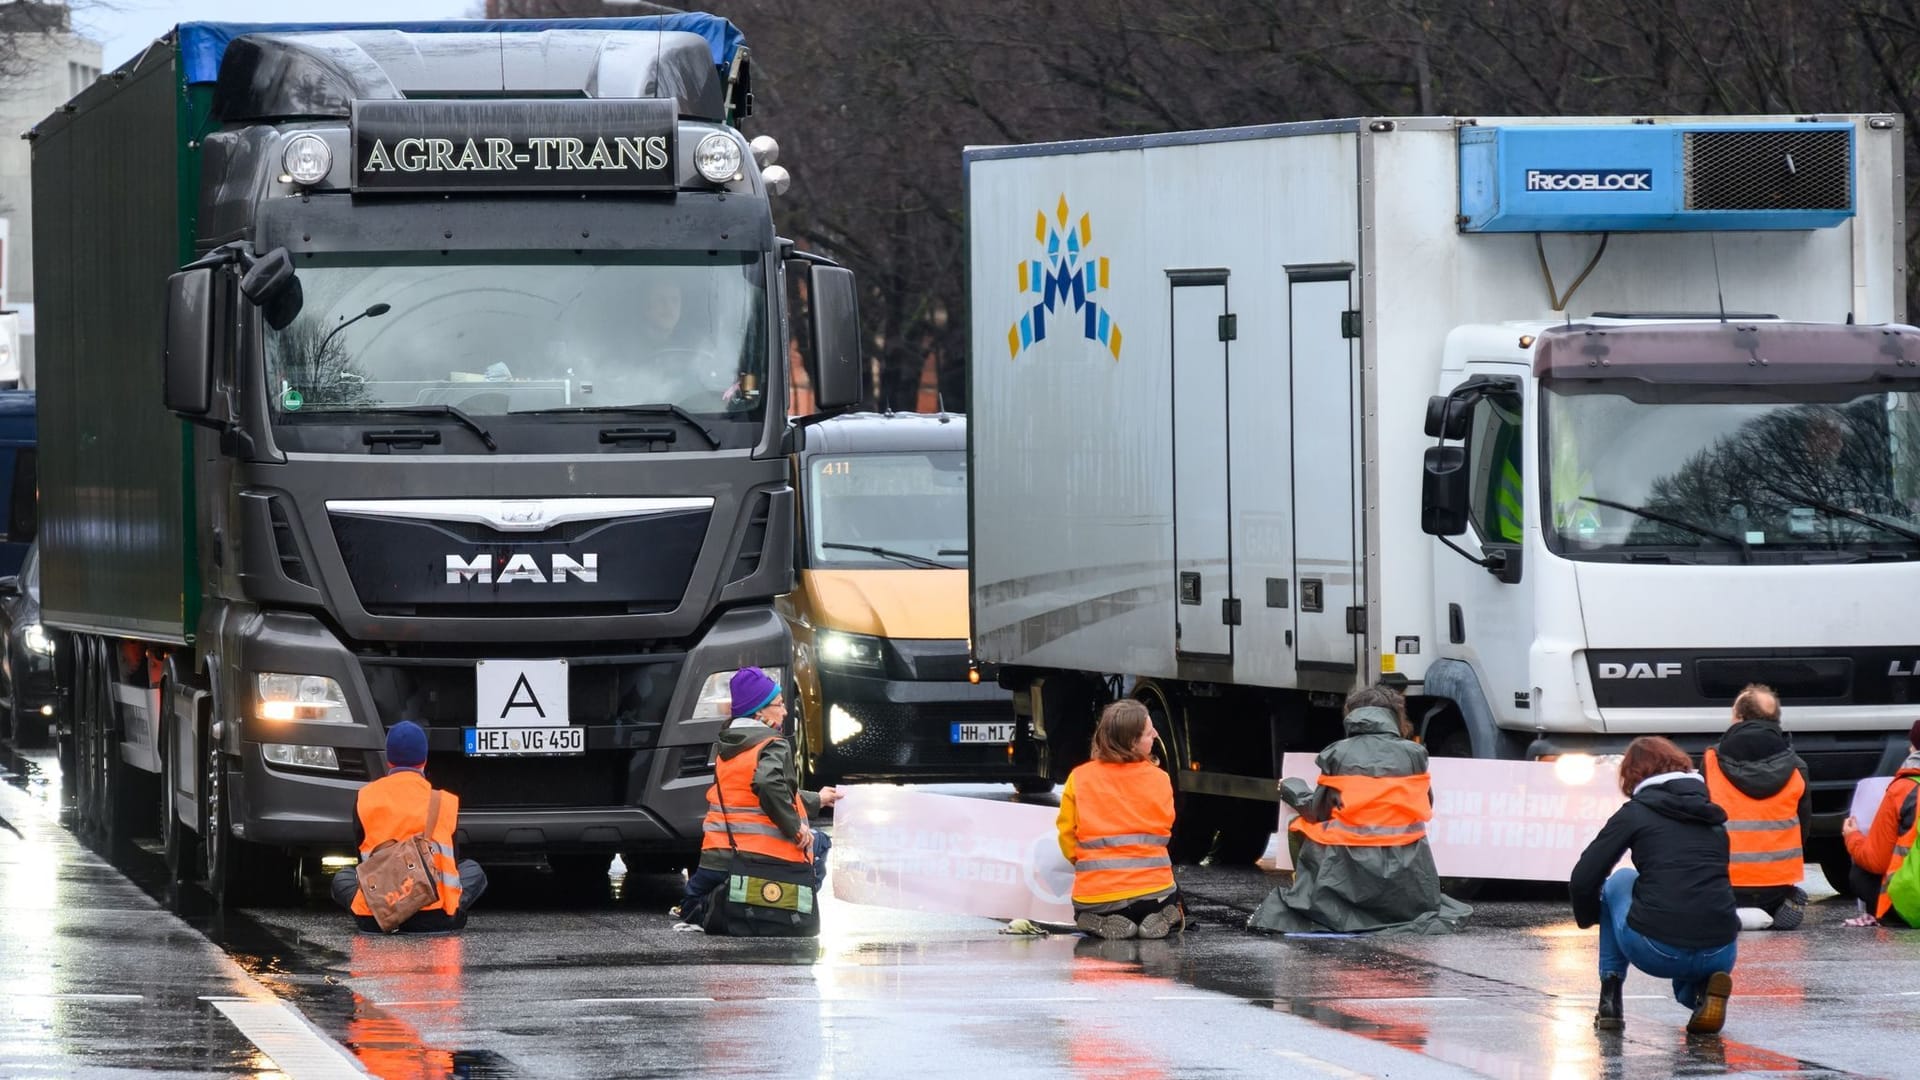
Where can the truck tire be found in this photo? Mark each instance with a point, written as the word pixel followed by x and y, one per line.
pixel 816 767
pixel 1453 741
pixel 236 872
pixel 1194 816
pixel 1831 855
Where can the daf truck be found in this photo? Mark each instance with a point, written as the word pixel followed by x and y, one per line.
pixel 1569 428
pixel 424 371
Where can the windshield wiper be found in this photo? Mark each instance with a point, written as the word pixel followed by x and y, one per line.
pixel 1746 550
pixel 907 557
pixel 454 411
pixel 659 409
pixel 1851 515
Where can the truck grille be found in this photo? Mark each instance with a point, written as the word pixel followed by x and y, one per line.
pixel 1778 169
pixel 629 694
pixel 920 736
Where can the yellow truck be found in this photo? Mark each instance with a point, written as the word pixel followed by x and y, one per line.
pixel 884 683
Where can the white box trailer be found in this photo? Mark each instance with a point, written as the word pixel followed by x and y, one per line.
pixel 1205 440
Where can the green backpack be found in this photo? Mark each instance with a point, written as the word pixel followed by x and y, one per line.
pixel 1904 887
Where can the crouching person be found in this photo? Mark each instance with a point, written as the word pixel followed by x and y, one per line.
pixel 1672 915
pixel 1116 819
pixel 398 808
pixel 761 863
pixel 1363 863
pixel 1880 852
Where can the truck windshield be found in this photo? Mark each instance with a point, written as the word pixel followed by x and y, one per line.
pixel 500 334
pixel 888 510
pixel 1735 472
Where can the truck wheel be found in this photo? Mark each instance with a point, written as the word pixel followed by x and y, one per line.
pixel 1242 838
pixel 1831 854
pixel 238 873
pixel 817 769
pixel 1194 816
pixel 1034 785
pixel 1454 742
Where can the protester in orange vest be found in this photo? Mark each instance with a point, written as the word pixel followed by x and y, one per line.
pixel 755 805
pixel 1116 819
pixel 1754 775
pixel 1363 862
pixel 394 807
pixel 1879 851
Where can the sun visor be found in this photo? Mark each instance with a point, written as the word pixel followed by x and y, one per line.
pixel 1742 353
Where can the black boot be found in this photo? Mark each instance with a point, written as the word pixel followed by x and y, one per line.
pixel 1609 1017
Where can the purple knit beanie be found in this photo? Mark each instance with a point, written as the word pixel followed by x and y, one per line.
pixel 752 691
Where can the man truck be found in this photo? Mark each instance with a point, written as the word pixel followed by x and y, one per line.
pixel 1568 428
pixel 427 371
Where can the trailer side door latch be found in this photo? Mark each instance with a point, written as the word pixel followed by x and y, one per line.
pixel 1229 327
pixel 1350 324
pixel 1356 620
pixel 1230 612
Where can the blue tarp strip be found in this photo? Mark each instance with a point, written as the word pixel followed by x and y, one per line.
pixel 203 44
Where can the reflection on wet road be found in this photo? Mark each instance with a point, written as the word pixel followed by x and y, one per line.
pixel 98 978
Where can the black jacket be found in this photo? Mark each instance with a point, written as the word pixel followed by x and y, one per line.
pixel 1756 757
pixel 1679 842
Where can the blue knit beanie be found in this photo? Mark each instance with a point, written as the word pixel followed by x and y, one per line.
pixel 406 745
pixel 752 691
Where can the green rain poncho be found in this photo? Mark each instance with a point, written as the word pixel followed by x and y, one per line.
pixel 1349 889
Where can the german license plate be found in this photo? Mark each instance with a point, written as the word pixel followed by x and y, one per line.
pixel 983 733
pixel 485 741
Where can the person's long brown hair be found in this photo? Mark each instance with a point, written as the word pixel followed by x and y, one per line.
pixel 1650 755
pixel 1117 737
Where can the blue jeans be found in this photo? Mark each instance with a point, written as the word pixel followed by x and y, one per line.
pixel 1621 945
pixel 693 906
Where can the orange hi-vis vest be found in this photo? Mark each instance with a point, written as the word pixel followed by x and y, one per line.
pixel 1374 811
pixel 1763 835
pixel 733 807
pixel 1901 847
pixel 1123 821
pixel 394 807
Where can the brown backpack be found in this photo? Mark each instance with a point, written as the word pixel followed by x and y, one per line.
pixel 398 877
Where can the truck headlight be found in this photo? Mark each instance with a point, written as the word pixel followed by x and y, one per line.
pixel 716 694
pixel 851 650
pixel 313 698
pixel 36 639
pixel 717 157
pixel 301 757
pixel 307 159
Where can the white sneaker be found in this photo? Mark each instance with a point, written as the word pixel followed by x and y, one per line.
pixel 1753 918
pixel 688 928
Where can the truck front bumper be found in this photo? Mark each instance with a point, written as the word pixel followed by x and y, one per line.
pixel 904 730
pixel 639 786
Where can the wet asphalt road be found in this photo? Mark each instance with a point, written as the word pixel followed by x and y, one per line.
pixel 99 978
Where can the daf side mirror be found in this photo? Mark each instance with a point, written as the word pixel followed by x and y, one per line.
pixel 1449 417
pixel 838 367
pixel 1444 494
pixel 192 326
pixel 271 285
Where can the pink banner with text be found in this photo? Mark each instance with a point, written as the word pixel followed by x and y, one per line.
pixel 1521 820
pixel 902 848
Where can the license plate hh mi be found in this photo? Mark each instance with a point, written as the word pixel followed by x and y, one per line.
pixel 998 732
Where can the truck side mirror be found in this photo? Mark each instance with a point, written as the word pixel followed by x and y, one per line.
pixel 191 329
pixel 1449 417
pixel 271 285
pixel 838 368
pixel 1443 491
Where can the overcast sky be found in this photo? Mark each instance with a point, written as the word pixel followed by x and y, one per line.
pixel 124 27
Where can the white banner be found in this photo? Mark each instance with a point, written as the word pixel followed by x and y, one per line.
pixel 1522 820
pixel 902 848
pixel 1866 800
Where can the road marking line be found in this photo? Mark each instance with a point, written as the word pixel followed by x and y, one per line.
pixel 1042 999
pixel 1318 1065
pixel 85 997
pixel 1389 1000
pixel 285 1036
pixel 637 1000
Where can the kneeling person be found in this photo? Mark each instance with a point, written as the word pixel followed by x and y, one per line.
pixel 756 813
pixel 1116 819
pixel 394 808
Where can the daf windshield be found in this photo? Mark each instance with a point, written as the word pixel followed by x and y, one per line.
pixel 888 510
pixel 1732 474
pixel 496 335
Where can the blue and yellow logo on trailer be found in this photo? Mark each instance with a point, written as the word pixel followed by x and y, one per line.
pixel 1066 275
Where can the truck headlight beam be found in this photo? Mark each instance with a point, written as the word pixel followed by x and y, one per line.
pixel 718 158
